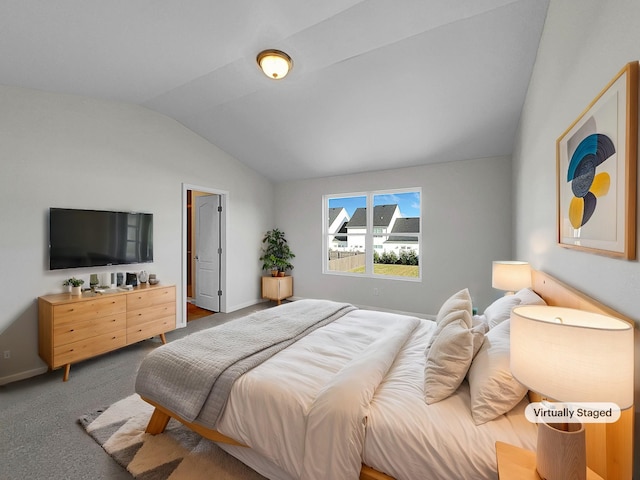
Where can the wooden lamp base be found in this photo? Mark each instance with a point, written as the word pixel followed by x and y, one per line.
pixel 561 451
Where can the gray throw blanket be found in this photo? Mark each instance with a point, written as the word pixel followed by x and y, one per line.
pixel 182 374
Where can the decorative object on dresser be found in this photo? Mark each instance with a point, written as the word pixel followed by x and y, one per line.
pixel 277 288
pixel 74 285
pixel 75 328
pixel 143 277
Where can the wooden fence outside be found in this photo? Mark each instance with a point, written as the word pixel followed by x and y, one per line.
pixel 346 261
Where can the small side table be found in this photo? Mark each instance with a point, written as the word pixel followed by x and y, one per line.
pixel 515 463
pixel 277 288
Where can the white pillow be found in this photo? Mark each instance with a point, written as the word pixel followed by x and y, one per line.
pixel 478 329
pixel 457 306
pixel 458 301
pixel 500 310
pixel 529 297
pixel 493 389
pixel 448 360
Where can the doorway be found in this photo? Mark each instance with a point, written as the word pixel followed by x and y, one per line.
pixel 204 251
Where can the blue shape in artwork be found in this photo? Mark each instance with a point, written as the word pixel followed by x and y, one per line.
pixel 597 145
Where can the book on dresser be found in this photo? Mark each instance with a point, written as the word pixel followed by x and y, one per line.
pixel 75 328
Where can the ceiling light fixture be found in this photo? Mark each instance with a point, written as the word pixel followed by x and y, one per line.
pixel 274 63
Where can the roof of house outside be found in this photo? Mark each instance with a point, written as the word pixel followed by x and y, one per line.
pixel 382 215
pixel 343 231
pixel 333 213
pixel 404 225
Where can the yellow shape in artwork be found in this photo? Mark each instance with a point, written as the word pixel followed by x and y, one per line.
pixel 601 184
pixel 576 210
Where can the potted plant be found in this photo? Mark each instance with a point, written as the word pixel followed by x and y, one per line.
pixel 276 253
pixel 76 285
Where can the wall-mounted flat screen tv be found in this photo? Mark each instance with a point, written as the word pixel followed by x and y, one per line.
pixel 92 238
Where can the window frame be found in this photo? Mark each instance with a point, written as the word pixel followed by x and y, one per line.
pixel 369 234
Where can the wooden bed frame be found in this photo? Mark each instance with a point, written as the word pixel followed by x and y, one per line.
pixel 609 445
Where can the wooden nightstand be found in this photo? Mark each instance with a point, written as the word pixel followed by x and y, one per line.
pixel 277 288
pixel 515 463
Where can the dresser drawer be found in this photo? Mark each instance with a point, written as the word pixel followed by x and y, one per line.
pixel 146 315
pixel 76 351
pixel 150 298
pixel 85 310
pixel 68 332
pixel 147 330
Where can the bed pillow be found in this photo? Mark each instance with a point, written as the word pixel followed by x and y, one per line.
pixel 448 360
pixel 529 297
pixel 456 302
pixel 452 309
pixel 479 327
pixel 493 389
pixel 500 310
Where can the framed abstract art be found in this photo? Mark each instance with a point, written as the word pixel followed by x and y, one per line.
pixel 596 172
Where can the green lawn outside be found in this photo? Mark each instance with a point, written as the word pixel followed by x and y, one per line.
pixel 394 270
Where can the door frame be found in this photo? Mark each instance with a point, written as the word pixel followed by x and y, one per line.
pixel 224 195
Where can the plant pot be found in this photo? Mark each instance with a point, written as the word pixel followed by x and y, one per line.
pixel 274 273
pixel 76 290
pixel 66 288
pixel 281 274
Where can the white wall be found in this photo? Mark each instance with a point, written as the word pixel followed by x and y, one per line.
pixel 585 43
pixel 69 151
pixel 466 223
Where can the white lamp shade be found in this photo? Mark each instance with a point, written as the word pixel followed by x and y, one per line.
pixel 587 357
pixel 274 63
pixel 511 275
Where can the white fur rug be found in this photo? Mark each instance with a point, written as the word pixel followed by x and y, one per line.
pixel 176 454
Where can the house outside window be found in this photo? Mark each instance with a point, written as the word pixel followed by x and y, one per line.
pixel 373 234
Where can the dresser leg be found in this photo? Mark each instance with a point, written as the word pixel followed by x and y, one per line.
pixel 67 368
pixel 162 337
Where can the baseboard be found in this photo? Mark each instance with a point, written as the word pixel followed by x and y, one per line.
pixel 23 375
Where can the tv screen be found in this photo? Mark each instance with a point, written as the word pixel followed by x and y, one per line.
pixel 92 238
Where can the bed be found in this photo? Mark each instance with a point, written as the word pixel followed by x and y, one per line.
pixel 345 397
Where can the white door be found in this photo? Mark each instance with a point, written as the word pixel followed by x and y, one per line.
pixel 208 252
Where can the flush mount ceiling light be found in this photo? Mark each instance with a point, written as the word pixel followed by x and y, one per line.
pixel 274 63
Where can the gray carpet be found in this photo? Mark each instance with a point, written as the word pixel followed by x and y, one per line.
pixel 40 437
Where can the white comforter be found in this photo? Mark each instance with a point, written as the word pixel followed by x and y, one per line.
pixel 305 409
pixel 299 428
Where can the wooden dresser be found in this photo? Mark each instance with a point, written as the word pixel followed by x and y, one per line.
pixel 74 328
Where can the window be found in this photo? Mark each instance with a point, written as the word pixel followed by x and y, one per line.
pixel 373 234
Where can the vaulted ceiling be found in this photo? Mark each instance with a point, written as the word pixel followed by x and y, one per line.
pixel 376 84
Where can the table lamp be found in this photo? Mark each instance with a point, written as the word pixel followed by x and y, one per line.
pixel 569 355
pixel 510 276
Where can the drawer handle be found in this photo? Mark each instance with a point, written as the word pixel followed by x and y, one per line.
pixel 113 338
pixel 71 330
